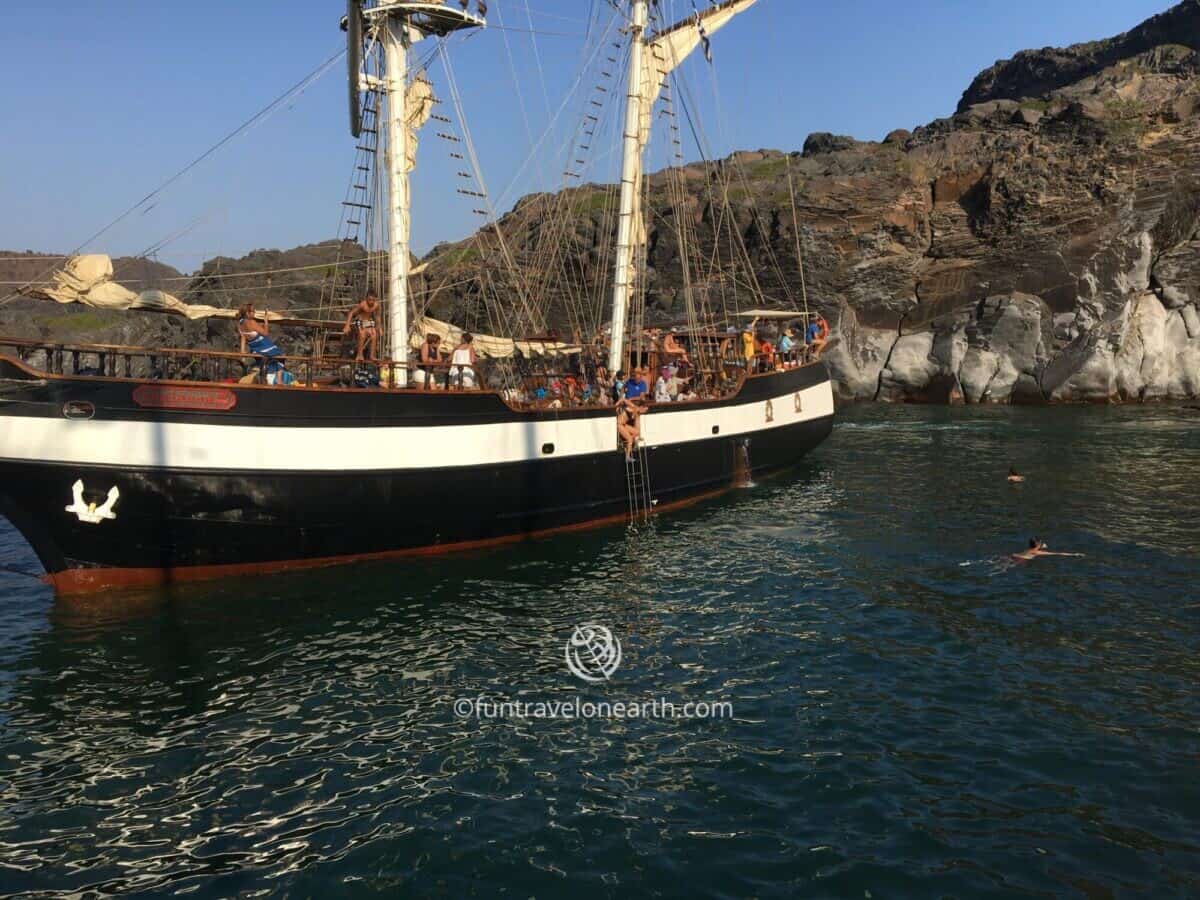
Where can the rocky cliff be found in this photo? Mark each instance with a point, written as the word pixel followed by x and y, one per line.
pixel 1040 245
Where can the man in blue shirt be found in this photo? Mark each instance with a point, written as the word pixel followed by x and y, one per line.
pixel 636 385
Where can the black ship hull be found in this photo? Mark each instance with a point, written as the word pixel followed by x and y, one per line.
pixel 216 481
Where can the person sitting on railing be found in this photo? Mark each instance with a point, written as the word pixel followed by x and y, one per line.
pixel 462 362
pixel 674 350
pixel 254 337
pixel 816 335
pixel 822 337
pixel 362 319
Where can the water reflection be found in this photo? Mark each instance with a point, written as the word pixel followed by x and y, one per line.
pixel 906 697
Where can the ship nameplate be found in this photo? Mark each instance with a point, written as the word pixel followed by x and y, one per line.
pixel 161 396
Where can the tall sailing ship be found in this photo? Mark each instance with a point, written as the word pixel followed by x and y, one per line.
pixel 136 466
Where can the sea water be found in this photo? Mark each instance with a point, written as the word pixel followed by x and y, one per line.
pixel 906 710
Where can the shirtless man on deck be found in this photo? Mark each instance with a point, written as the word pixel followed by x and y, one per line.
pixel 362 318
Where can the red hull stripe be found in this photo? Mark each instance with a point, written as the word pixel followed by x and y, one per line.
pixel 91 581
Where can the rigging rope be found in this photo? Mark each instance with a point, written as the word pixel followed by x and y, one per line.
pixel 254 120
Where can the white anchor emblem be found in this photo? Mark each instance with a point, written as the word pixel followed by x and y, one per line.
pixel 89 512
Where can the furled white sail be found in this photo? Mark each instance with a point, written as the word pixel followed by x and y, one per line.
pixel 418 107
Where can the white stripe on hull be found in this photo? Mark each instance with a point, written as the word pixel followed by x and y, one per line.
pixel 179 445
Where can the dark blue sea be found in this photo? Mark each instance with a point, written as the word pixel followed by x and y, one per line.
pixel 913 714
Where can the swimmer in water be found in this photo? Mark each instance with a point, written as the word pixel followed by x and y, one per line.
pixel 1014 477
pixel 1038 548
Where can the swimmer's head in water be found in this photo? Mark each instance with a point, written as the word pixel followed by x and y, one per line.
pixel 1034 543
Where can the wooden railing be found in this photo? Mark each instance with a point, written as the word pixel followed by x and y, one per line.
pixel 173 364
pixel 213 366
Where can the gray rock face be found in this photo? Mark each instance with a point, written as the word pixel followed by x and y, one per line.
pixel 1004 254
pixel 1177 276
pixel 1032 73
pixel 994 351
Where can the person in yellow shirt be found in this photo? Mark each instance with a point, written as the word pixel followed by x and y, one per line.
pixel 749 345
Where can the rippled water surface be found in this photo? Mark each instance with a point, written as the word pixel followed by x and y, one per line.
pixel 914 714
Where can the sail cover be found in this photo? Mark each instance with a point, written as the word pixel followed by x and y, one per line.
pixel 486 345
pixel 89 280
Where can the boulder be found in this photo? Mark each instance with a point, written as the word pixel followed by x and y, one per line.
pixel 909 367
pixel 823 142
pixel 1140 366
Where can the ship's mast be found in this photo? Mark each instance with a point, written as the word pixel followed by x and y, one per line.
pixel 395 62
pixel 667 49
pixel 401 23
pixel 630 185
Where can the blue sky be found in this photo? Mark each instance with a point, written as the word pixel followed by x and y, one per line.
pixel 106 100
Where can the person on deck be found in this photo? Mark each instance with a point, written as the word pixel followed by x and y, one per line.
pixel 254 337
pixel 462 363
pixel 821 336
pixel 618 387
pixel 636 385
pixel 604 386
pixel 786 346
pixel 430 359
pixel 362 320
pixel 766 355
pixel 749 347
